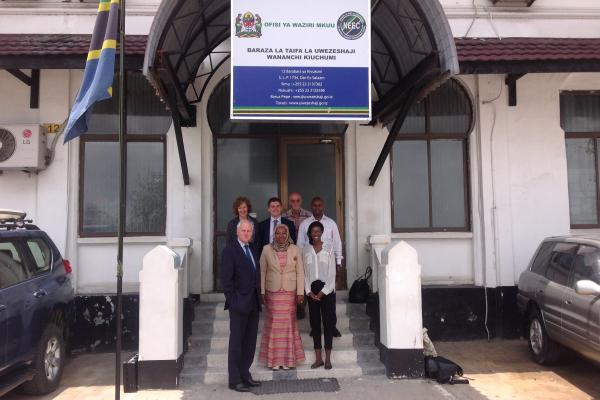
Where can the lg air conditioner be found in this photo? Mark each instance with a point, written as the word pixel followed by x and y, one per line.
pixel 22 147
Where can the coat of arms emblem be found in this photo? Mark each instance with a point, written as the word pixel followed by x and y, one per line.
pixel 248 25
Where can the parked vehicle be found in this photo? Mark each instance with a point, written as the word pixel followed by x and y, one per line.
pixel 36 297
pixel 559 295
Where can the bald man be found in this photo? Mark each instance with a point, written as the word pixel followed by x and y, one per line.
pixel 296 213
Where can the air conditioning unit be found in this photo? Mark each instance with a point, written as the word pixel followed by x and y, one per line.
pixel 22 147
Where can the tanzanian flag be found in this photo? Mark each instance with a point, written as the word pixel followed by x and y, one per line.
pixel 99 69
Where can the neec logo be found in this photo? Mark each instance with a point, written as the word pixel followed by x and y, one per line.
pixel 351 25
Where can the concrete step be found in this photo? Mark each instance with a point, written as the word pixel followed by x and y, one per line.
pixel 209 342
pixel 341 295
pixel 354 354
pixel 209 310
pixel 218 375
pixel 341 355
pixel 221 325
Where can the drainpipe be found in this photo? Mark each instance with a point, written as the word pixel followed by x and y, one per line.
pixel 494 229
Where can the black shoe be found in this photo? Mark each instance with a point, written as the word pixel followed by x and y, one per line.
pixel 251 382
pixel 239 387
pixel 337 333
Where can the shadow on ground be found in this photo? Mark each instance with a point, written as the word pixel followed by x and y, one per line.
pixel 498 370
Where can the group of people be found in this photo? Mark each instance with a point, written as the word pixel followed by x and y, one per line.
pixel 278 263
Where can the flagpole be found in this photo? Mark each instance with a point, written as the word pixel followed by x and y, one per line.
pixel 122 189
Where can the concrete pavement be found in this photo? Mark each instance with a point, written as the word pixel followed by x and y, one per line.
pixel 498 370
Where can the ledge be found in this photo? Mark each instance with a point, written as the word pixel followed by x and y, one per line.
pixel 432 235
pixel 379 239
pixel 127 240
pixel 73 8
pixel 592 231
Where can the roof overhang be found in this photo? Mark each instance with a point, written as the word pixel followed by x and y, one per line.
pixel 475 55
pixel 189 41
pixel 519 55
pixel 57 51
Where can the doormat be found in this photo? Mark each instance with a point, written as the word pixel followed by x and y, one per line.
pixel 297 386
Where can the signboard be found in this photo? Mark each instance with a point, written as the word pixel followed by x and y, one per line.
pixel 301 60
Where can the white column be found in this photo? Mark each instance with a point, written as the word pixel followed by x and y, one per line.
pixel 400 311
pixel 161 319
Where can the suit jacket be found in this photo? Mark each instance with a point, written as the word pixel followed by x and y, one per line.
pixel 239 279
pixel 273 278
pixel 264 230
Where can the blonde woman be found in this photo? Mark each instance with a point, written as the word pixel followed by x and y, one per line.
pixel 282 287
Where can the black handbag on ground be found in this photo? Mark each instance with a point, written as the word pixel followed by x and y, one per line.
pixel 359 292
pixel 443 370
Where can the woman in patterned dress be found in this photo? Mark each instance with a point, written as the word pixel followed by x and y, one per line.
pixel 282 287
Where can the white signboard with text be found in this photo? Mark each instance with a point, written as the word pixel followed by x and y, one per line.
pixel 307 60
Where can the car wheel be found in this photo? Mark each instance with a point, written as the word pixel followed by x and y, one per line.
pixel 49 362
pixel 543 349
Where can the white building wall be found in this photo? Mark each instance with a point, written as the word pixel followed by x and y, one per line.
pixel 57 16
pixel 42 195
pixel 517 158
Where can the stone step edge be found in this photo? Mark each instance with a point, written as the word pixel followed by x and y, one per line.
pixel 259 367
pixel 360 368
pixel 308 347
pixel 225 318
pixel 225 338
pixel 221 305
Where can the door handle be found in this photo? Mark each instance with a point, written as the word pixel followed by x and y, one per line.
pixel 539 292
pixel 568 302
pixel 2 307
pixel 39 293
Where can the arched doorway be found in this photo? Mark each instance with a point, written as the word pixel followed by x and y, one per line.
pixel 412 53
pixel 264 160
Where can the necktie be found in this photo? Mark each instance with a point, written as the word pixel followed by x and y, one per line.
pixel 247 251
pixel 275 222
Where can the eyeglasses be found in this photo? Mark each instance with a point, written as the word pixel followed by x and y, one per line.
pixel 295 200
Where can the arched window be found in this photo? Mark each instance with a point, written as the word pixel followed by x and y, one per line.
pixel 221 124
pixel 430 185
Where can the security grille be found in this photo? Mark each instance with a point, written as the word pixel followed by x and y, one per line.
pixel 8 144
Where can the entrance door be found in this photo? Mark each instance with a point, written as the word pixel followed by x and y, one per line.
pixel 313 167
pixel 264 167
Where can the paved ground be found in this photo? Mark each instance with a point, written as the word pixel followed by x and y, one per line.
pixel 498 370
pixel 503 370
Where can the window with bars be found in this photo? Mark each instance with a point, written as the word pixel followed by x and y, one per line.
pixel 580 119
pixel 147 125
pixel 430 185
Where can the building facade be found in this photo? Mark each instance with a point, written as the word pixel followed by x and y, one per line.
pixel 485 165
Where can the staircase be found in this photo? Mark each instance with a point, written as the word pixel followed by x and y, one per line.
pixel 353 355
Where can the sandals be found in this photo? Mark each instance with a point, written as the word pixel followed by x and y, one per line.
pixel 317 364
pixel 284 367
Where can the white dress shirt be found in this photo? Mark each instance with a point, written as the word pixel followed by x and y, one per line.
pixel 271 230
pixel 331 235
pixel 320 267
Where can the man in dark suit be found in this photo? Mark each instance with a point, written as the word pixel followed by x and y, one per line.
pixel 267 227
pixel 240 278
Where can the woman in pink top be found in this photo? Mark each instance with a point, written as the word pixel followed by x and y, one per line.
pixel 282 287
